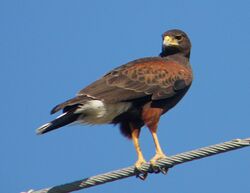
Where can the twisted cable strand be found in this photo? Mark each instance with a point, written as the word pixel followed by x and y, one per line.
pixel 166 162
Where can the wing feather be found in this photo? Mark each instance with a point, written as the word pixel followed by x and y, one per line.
pixel 155 77
pixel 150 76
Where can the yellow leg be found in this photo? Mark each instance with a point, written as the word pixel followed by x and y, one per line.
pixel 151 118
pixel 135 137
pixel 159 153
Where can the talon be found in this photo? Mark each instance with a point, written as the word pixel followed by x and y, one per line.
pixel 155 168
pixel 140 174
pixel 164 170
pixel 157 157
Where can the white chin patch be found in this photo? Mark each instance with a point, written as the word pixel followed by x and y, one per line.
pixel 98 112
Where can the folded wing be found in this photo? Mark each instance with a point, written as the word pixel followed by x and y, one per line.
pixel 154 77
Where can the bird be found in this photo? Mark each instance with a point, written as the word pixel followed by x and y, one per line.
pixel 133 95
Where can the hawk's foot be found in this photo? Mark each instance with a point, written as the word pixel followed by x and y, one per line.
pixel 153 162
pixel 140 174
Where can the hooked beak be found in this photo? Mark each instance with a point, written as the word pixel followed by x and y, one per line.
pixel 170 41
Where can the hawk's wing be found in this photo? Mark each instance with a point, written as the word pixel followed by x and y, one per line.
pixel 153 77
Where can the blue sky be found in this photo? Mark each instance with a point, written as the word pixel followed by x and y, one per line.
pixel 51 49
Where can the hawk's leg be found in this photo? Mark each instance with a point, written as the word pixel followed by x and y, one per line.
pixel 135 137
pixel 135 132
pixel 151 117
pixel 158 155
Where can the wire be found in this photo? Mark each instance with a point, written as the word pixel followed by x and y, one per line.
pixel 167 162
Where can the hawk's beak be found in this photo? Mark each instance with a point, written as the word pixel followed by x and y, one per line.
pixel 170 41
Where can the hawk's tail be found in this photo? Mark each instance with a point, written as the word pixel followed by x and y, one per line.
pixel 64 119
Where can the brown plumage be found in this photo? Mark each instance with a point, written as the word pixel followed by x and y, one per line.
pixel 134 94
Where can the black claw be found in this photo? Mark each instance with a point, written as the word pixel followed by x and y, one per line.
pixel 140 174
pixel 163 170
pixel 156 170
pixel 151 170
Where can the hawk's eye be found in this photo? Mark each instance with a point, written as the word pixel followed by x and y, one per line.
pixel 179 37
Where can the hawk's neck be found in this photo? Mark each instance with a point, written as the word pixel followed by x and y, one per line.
pixel 179 58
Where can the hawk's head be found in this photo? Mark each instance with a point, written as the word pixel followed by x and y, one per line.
pixel 175 41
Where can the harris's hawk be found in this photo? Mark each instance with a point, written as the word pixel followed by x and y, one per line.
pixel 134 94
